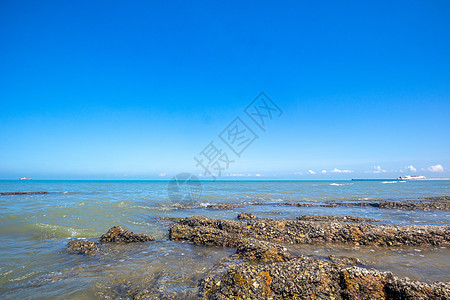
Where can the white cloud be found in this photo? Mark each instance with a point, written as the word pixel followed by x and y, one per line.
pixel 336 170
pixel 298 173
pixel 411 168
pixel 258 175
pixel 378 170
pixel 235 175
pixel 311 172
pixel 436 168
pixel 324 171
pixel 162 175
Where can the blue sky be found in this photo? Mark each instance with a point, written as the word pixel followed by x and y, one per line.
pixel 116 90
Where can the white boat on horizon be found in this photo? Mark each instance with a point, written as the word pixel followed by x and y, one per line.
pixel 25 178
pixel 412 177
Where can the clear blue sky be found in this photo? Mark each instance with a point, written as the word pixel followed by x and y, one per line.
pixel 120 90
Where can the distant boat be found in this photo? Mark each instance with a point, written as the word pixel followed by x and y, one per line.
pixel 24 178
pixel 412 177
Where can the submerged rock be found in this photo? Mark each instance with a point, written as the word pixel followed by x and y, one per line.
pixel 246 216
pixel 335 218
pixel 82 247
pixel 23 193
pixel 429 203
pixel 224 206
pixel 118 234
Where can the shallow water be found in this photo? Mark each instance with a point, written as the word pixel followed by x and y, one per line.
pixel 35 230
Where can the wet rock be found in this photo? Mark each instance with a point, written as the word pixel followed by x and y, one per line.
pixel 441 203
pixel 297 231
pixel 402 288
pixel 118 234
pixel 429 203
pixel 149 294
pixel 224 206
pixel 205 231
pixel 335 218
pixel 439 198
pixel 126 289
pixel 300 204
pixel 303 278
pixel 203 235
pixel 308 278
pixel 343 260
pixel 82 247
pixel 231 226
pixel 23 193
pixel 246 216
pixel 255 250
pixel 200 233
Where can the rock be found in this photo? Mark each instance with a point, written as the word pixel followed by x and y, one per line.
pixel 224 206
pixel 23 193
pixel 335 218
pixel 206 231
pixel 343 260
pixel 302 278
pixel 251 249
pixel 246 216
pixel 429 203
pixel 118 234
pixel 82 247
pixel 203 235
pixel 308 278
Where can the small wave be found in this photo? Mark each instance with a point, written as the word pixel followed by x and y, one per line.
pixel 389 181
pixel 336 184
pixel 43 231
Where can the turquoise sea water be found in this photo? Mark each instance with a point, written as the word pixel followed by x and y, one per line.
pixel 35 229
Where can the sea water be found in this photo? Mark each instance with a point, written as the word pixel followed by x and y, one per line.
pixel 35 229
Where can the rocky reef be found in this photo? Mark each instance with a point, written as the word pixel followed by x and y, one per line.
pixel 204 231
pixel 115 234
pixel 309 278
pixel 82 247
pixel 262 269
pixel 246 216
pixel 23 193
pixel 335 218
pixel 427 204
pixel 118 234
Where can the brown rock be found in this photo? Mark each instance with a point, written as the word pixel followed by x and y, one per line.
pixel 82 247
pixel 203 231
pixel 22 193
pixel 308 278
pixel 255 250
pixel 335 218
pixel 246 216
pixel 118 234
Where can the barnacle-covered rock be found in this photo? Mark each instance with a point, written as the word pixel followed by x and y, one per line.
pixel 118 234
pixel 308 278
pixel 255 250
pixel 82 247
pixel 246 216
